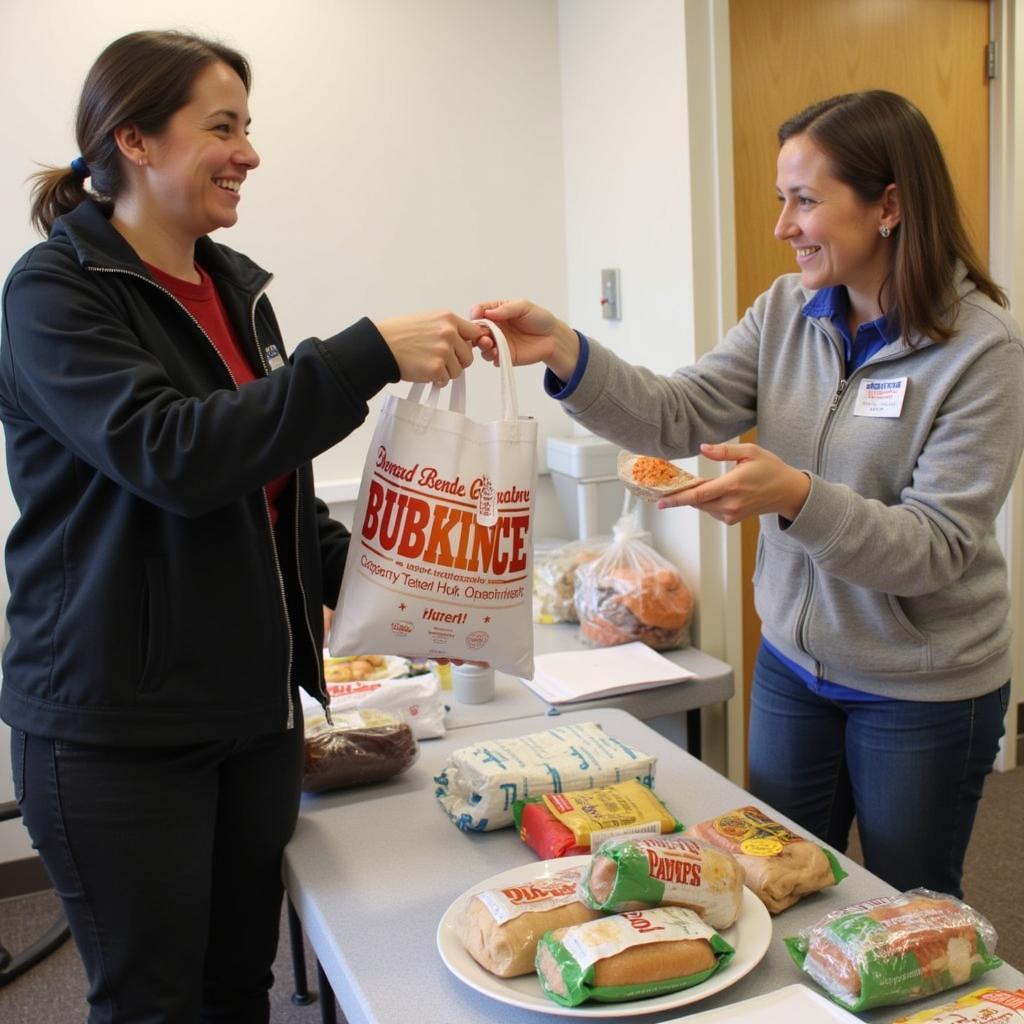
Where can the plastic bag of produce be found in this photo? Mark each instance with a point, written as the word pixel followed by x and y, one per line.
pixel 632 593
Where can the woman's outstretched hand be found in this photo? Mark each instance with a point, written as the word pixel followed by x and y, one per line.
pixel 534 335
pixel 431 347
pixel 759 483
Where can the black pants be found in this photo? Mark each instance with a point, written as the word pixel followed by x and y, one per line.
pixel 168 862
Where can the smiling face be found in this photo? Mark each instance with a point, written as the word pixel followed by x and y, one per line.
pixel 196 166
pixel 834 233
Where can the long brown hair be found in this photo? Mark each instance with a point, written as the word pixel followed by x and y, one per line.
pixel 875 139
pixel 141 79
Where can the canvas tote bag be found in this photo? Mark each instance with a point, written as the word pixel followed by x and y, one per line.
pixel 440 564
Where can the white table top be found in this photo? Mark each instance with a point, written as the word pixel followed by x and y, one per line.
pixel 371 871
pixel 514 699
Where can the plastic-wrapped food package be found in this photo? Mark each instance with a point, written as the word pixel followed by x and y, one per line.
pixel 479 784
pixel 632 593
pixel 568 824
pixel 780 866
pixel 500 928
pixel 984 1006
pixel 358 748
pixel 417 699
pixel 895 949
pixel 629 956
pixel 635 872
pixel 554 573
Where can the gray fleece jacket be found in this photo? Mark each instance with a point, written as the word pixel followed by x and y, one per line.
pixel 890 580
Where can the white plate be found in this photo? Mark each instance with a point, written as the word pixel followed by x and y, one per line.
pixel 749 936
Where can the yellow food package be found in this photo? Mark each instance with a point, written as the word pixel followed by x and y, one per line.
pixel 609 809
pixel 986 1006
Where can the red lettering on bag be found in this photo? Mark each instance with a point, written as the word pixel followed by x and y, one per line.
pixel 673 869
pixel 400 522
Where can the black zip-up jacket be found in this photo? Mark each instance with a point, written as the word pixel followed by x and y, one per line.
pixel 151 600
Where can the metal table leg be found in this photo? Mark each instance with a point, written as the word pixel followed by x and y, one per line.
pixel 301 996
pixel 328 1010
pixel 693 732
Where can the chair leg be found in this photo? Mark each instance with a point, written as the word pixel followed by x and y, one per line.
pixel 301 996
pixel 16 965
pixel 328 1011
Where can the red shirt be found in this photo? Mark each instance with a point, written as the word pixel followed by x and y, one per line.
pixel 203 302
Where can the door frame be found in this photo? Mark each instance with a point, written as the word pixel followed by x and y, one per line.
pixel 709 127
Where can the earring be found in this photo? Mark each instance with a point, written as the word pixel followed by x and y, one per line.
pixel 142 161
pixel 884 231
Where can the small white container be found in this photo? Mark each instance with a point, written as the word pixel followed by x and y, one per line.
pixel 472 684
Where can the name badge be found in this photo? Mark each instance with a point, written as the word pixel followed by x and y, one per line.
pixel 273 357
pixel 881 397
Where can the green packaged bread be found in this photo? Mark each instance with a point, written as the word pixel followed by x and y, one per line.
pixel 632 872
pixel 895 949
pixel 628 956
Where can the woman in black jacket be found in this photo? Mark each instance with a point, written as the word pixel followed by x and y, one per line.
pixel 171 562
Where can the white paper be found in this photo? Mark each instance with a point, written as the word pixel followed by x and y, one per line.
pixel 789 1005
pixel 567 676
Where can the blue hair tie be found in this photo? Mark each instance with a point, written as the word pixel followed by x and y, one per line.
pixel 80 167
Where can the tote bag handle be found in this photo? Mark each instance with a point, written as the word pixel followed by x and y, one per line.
pixel 457 395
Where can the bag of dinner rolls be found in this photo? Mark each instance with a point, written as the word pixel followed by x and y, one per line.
pixel 632 593
pixel 629 956
pixel 500 928
pixel 895 949
pixel 650 871
pixel 780 866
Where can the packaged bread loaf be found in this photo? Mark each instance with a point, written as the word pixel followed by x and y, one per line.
pixel 356 748
pixel 500 928
pixel 984 1006
pixel 780 866
pixel 479 784
pixel 895 949
pixel 629 956
pixel 632 593
pixel 650 871
pixel 566 824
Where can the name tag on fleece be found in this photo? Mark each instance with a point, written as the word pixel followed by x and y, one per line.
pixel 880 397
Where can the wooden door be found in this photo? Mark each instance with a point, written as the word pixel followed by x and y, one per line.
pixel 787 54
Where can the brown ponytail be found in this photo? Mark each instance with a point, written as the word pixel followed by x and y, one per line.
pixel 55 191
pixel 142 78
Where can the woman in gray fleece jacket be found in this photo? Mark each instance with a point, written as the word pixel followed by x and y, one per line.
pixel 885 380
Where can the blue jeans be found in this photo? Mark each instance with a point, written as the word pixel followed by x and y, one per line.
pixel 168 863
pixel 910 771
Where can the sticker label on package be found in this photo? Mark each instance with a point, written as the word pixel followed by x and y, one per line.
pixel 541 894
pixel 608 936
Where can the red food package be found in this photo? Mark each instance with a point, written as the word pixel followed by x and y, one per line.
pixel 544 833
